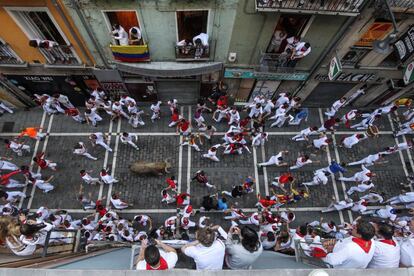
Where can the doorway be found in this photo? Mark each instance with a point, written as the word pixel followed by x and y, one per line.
pixel 186 91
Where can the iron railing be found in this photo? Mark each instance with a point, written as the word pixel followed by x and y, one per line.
pixel 7 55
pixel 305 257
pixel 61 241
pixel 345 7
pixel 60 55
pixel 192 52
pixel 275 63
pixel 402 4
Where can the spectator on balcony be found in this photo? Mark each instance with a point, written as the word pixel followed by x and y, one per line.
pixel 43 43
pixel 292 42
pixel 277 40
pixel 120 35
pixel 152 258
pixel 301 50
pixel 201 43
pixel 135 37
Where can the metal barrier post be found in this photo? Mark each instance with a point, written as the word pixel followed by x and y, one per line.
pixel 44 253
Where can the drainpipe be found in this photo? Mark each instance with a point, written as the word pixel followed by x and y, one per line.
pixel 72 31
pixel 336 40
pixel 89 31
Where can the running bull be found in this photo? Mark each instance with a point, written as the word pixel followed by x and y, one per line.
pixel 151 168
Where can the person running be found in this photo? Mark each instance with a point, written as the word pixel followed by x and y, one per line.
pixel 127 138
pixel 80 149
pixel 98 138
pixel 275 160
pixel 44 163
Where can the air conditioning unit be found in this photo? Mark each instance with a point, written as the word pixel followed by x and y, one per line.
pixel 232 57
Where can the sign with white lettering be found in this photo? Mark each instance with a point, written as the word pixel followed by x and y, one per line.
pixel 405 45
pixel 335 68
pixel 349 77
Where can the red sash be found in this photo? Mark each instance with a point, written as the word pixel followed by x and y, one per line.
pixel 365 245
pixel 390 242
pixel 163 265
pixel 42 163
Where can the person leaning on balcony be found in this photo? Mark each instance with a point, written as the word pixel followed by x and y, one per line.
pixel 42 43
pixel 201 38
pixel 241 255
pixel 119 34
pixel 135 37
pixel 277 40
pixel 152 258
pixel 301 50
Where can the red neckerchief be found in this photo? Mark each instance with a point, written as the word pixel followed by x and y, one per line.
pixel 299 234
pixel 318 253
pixel 104 173
pixel 390 242
pixel 163 265
pixel 365 245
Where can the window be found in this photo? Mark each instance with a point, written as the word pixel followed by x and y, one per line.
pixel 126 19
pixel 7 55
pixel 392 60
pixel 287 26
pixel 38 23
pixel 191 24
pixel 352 57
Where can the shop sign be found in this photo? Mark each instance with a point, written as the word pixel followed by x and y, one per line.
pixel 335 68
pixel 408 73
pixel 405 45
pixel 377 31
pixel 349 77
pixel 247 74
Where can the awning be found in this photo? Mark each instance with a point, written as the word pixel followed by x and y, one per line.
pixel 169 69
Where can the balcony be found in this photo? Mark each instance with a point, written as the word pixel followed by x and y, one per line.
pixel 332 7
pixel 404 6
pixel 274 63
pixel 60 55
pixel 192 53
pixel 8 56
pixel 131 53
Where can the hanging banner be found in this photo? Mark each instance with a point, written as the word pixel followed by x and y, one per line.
pixel 377 31
pixel 405 45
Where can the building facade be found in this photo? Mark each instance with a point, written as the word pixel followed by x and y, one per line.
pixel 246 41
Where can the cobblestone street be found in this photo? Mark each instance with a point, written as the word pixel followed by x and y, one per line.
pixel 157 142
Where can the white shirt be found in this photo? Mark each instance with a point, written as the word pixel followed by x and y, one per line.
pixel 407 251
pixel 300 51
pixel 122 36
pixel 300 162
pixel 203 37
pixel 320 177
pixel 318 143
pixel 348 254
pixel 207 257
pixel 337 105
pixel 386 213
pixel 385 255
pixel 350 141
pixel 137 35
pixel 170 257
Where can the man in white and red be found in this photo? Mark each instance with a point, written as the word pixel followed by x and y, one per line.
pixel 350 116
pixel 407 248
pixel 172 183
pixel 299 234
pixel 350 141
pixel 353 252
pixel 188 211
pixel 183 127
pixel 387 250
pixel 186 223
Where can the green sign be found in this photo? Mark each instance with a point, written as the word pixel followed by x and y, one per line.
pixel 408 73
pixel 250 74
pixel 335 68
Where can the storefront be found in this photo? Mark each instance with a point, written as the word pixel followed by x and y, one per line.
pixel 245 84
pixel 76 87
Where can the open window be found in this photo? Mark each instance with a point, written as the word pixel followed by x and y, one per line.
pixel 7 55
pixel 126 19
pixel 38 23
pixel 191 24
pixel 288 25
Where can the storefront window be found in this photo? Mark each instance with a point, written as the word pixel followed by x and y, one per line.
pixel 352 57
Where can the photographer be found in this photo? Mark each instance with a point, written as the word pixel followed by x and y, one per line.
pixel 207 251
pixel 152 258
pixel 244 251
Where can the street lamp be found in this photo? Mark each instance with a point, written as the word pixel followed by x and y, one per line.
pixel 384 46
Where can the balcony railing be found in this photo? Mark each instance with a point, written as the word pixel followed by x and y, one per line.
pixel 130 53
pixel 402 5
pixel 8 56
pixel 191 52
pixel 60 55
pixel 342 7
pixel 275 63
